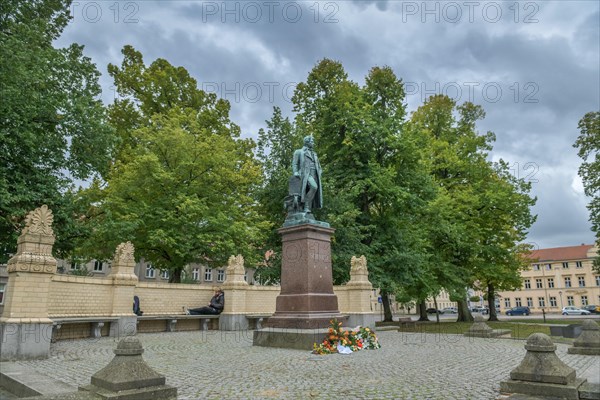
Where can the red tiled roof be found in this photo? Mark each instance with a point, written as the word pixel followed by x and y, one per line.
pixel 562 253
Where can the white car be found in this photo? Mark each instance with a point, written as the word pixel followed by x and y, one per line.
pixel 570 310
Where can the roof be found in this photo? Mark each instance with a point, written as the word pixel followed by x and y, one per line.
pixel 562 253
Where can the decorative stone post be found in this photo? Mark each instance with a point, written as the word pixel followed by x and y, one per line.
pixel 359 294
pixel 481 329
pixel 124 281
pixel 234 288
pixel 542 373
pixel 588 342
pixel 25 329
pixel 128 377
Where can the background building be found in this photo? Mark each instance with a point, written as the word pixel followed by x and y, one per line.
pixel 556 278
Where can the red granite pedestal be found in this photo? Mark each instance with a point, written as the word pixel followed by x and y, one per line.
pixel 306 302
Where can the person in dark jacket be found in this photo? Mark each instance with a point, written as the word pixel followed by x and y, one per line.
pixel 215 306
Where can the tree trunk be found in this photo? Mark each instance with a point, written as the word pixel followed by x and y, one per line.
pixel 387 311
pixel 491 299
pixel 464 314
pixel 437 313
pixel 175 276
pixel 423 311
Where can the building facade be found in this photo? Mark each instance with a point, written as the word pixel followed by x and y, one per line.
pixel 147 273
pixel 556 278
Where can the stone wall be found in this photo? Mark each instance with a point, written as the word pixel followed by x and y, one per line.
pixel 78 296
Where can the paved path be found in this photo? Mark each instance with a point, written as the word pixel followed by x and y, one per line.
pixel 225 365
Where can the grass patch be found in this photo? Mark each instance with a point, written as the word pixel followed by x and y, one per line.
pixel 518 330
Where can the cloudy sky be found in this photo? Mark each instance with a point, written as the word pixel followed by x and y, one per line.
pixel 534 66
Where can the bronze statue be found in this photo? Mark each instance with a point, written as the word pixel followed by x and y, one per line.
pixel 305 186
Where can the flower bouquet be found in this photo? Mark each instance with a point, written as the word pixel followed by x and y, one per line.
pixel 339 340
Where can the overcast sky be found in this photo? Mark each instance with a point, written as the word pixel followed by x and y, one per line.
pixel 534 66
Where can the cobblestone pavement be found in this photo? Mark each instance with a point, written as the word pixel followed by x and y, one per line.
pixel 225 365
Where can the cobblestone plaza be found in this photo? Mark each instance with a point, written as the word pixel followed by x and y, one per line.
pixel 225 365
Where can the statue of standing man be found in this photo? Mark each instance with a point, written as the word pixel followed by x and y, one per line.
pixel 306 166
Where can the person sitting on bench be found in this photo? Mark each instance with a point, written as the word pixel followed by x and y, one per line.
pixel 215 307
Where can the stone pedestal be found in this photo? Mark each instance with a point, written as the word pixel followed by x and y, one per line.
pixel 128 377
pixel 542 373
pixel 25 329
pixel 588 342
pixel 306 300
pixel 124 281
pixel 482 330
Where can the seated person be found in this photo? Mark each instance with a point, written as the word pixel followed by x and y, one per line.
pixel 215 307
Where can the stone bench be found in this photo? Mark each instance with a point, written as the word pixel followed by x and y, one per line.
pixel 172 320
pixel 257 319
pixel 406 322
pixel 96 324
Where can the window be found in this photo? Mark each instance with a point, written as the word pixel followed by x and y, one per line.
pixel 541 302
pixel 581 281
pixel 518 301
pixel 530 302
pixel 196 274
pixel 150 271
pixel 578 264
pixel 584 301
pixel 538 283
pixel 536 267
pixel 2 289
pixel 208 274
pixel 548 267
pixel 565 265
pixel 550 283
pixel 570 301
pixel 164 274
pixel 527 283
pixel 220 275
pixel 98 266
pixel 74 265
pixel 567 281
pixel 598 280
pixel 552 301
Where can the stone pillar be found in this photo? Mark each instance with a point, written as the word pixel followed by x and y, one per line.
pixel 128 377
pixel 25 328
pixel 124 280
pixel 359 294
pixel 588 342
pixel 542 373
pixel 306 300
pixel 233 316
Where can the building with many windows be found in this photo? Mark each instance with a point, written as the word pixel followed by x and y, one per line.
pixel 556 278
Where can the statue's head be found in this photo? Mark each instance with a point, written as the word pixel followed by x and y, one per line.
pixel 309 141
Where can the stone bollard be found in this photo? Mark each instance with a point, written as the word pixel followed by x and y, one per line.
pixel 128 377
pixel 588 342
pixel 542 373
pixel 481 329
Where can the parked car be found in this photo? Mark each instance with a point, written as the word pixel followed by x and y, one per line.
pixel 433 311
pixel 482 310
pixel 594 309
pixel 449 310
pixel 518 311
pixel 570 310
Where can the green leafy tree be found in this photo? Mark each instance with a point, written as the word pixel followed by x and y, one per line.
pixel 181 188
pixel 588 144
pixel 372 169
pixel 52 129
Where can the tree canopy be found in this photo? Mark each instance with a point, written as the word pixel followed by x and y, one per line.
pixel 53 128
